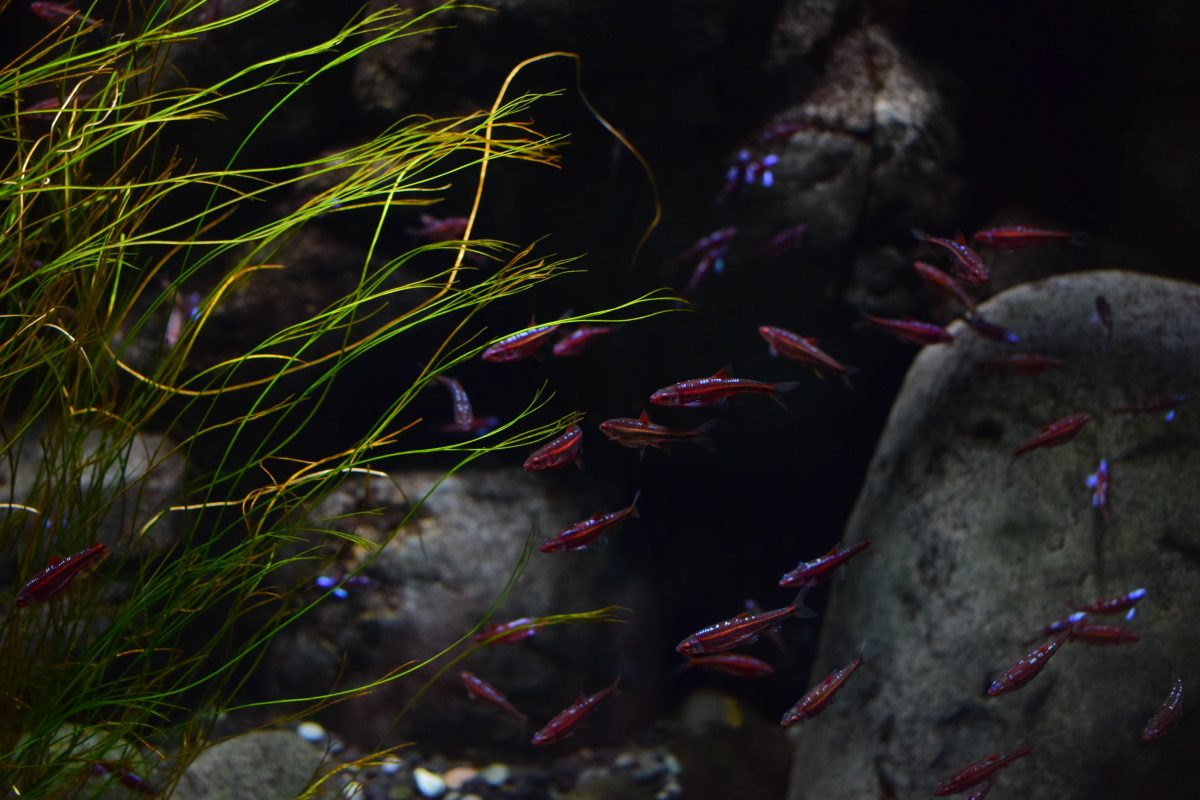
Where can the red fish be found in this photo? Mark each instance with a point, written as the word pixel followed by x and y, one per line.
pixel 477 687
pixel 967 263
pixel 802 349
pixel 701 392
pixel 433 229
pixel 1103 634
pixel 574 342
pixel 946 284
pixel 1055 434
pixel 982 770
pixel 1028 667
pixel 1155 405
pixel 581 534
pixel 520 345
pixel 465 420
pixel 735 664
pixel 783 241
pixel 565 722
pixel 982 790
pixel 1168 714
pixel 1113 605
pixel 58 13
pixel 812 573
pixel 710 252
pixel 509 632
pixel 912 330
pixel 59 575
pixel 1015 237
pixel 641 433
pixel 1098 483
pixel 1025 363
pixel 742 629
pixel 820 696
pixel 991 330
pixel 1058 626
pixel 561 450
pixel 746 171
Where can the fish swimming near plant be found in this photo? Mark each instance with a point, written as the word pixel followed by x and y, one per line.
pixel 573 343
pixel 509 632
pixel 465 420
pixel 59 575
pixel 581 534
pixel 58 13
pixel 641 433
pixel 520 345
pixel 478 688
pixel 560 451
pixel 566 721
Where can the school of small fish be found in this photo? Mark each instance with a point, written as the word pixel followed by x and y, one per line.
pixel 711 647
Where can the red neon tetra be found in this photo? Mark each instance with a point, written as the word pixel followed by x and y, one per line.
pixel 1055 434
pixel 982 770
pixel 560 451
pixel 564 723
pixel 820 696
pixel 59 575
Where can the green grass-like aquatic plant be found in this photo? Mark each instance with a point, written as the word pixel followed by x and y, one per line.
pixel 103 227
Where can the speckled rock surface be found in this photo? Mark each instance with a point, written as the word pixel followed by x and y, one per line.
pixel 264 765
pixel 971 554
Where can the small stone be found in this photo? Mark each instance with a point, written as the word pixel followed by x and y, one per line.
pixel 311 732
pixel 391 765
pixel 672 764
pixel 670 790
pixel 625 761
pixel 429 784
pixel 471 797
pixel 495 774
pixel 458 777
pixel 353 790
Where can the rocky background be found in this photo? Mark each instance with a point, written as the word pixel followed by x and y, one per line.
pixel 927 113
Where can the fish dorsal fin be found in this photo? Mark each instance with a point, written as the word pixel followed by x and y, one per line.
pixel 960 239
pixel 596 516
pixel 723 372
pixel 644 417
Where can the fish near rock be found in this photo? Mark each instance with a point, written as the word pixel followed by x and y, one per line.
pixel 974 553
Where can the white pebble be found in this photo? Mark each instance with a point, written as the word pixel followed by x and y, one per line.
pixel 311 732
pixel 495 774
pixel 352 790
pixel 429 784
pixel 391 765
pixel 672 764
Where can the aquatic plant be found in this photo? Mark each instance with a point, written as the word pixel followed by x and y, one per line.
pixel 106 231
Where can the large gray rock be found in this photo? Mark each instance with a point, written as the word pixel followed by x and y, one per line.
pixel 971 554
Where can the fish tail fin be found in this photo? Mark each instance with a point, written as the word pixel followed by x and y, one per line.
pixel 781 389
pixel 802 611
pixel 919 235
pixel 701 435
pixel 579 461
pixel 846 373
pixel 636 496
